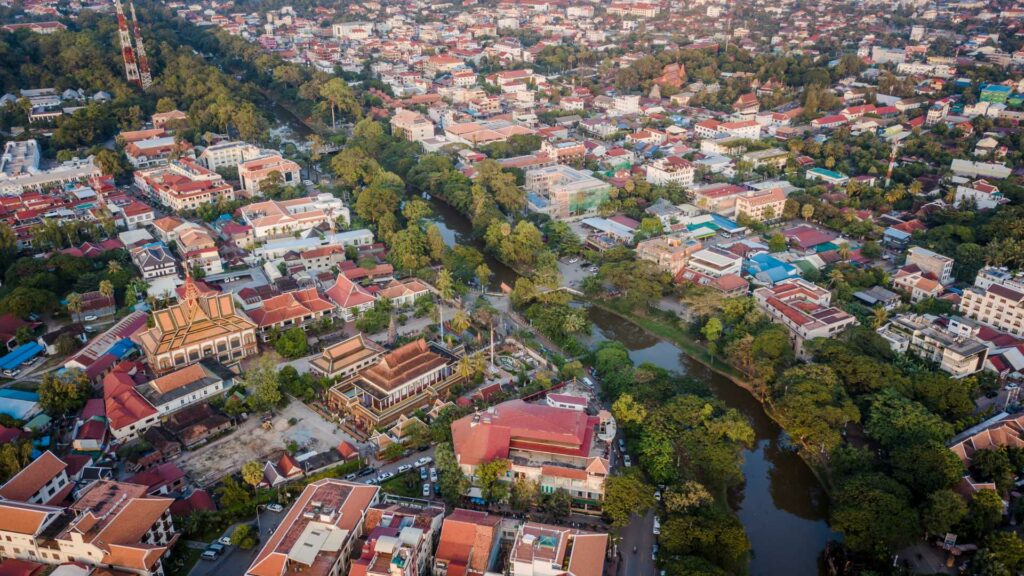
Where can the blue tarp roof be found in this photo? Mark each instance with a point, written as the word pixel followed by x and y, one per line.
pixel 20 355
pixel 121 348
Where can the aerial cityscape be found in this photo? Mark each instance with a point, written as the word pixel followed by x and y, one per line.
pixel 511 288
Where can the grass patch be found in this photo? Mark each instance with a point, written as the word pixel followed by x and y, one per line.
pixel 182 561
pixel 408 485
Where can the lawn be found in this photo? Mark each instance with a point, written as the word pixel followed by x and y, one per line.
pixel 408 485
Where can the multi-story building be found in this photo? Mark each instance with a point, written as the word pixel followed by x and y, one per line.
pixel 469 542
pixel 199 327
pixel 555 447
pixel 252 173
pixel 983 195
pixel 411 125
pixel 670 170
pixel 951 343
pixel 43 481
pixel 761 205
pixel 318 533
pixel 996 299
pixel 132 408
pixel 402 381
pixel 803 308
pixel 564 151
pixel 563 192
pixel 715 262
pixel 154 261
pixel 544 550
pixel 669 253
pixel 183 185
pixel 399 538
pixel 931 262
pixel 718 198
pixel 228 154
pixel 346 358
pixel 285 218
pixel 153 151
pixel 299 308
pixel 19 169
pixel 112 526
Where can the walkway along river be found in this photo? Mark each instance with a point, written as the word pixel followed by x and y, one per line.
pixel 782 506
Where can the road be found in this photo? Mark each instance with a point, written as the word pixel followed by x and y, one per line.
pixel 639 534
pixel 235 561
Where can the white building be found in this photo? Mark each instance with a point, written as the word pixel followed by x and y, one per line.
pixel 228 154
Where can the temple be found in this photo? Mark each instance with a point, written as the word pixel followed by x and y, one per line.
pixel 201 326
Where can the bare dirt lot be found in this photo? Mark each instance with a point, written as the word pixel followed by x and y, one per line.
pixel 250 441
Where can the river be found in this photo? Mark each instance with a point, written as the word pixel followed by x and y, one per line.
pixel 782 507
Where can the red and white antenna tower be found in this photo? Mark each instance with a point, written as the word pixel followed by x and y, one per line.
pixel 145 78
pixel 131 67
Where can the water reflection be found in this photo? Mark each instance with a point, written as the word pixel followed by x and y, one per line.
pixel 782 507
pixel 456 230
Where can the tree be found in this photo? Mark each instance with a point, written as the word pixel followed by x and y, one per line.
pixel 874 514
pixel 61 394
pixel 1008 549
pixel 234 497
pixel 292 343
pixel 815 408
pixel 776 243
pixel 712 331
pixel 625 496
pixel 686 497
pixel 454 483
pixel 106 288
pixel 807 211
pixel 252 474
pixel 984 513
pixel 263 385
pixel 73 302
pixel 490 479
pixel 445 289
pixel 524 494
pixel 339 96
pixel 483 275
pixel 628 412
pixel 895 420
pixel 943 510
pixel 244 537
pixel 460 321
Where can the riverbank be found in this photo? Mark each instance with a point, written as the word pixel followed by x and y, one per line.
pixel 699 353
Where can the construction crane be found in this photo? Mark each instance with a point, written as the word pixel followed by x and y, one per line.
pixel 145 78
pixel 131 66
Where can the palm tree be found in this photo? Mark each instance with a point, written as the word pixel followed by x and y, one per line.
pixel 74 303
pixel 465 368
pixel 835 277
pixel 880 316
pixel 106 288
pixel 445 289
pixel 460 322
pixel 844 251
pixel 113 267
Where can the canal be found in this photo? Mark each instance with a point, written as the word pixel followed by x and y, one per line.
pixel 782 507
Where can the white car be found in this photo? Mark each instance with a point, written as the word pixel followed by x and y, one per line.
pixel 627 461
pixel 433 474
pixel 424 461
pixel 225 540
pixel 89 318
pixel 275 507
pixel 426 490
pixel 404 468
pixel 573 260
pixel 657 526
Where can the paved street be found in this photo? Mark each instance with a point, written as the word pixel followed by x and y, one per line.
pixel 235 561
pixel 638 534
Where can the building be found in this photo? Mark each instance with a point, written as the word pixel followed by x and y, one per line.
pixel 350 298
pixel 469 541
pixel 183 185
pixel 112 526
pixel 827 176
pixel 983 195
pixel 411 125
pixel 803 308
pixel 43 481
pixel 715 262
pixel 346 358
pixel 761 205
pixel 252 173
pixel 156 151
pixel 299 308
pixel 563 192
pixel 19 169
pixel 282 219
pixel 563 151
pixel 399 538
pixel 941 267
pixel 669 253
pixel 228 154
pixel 951 343
pixel 718 198
pixel 996 300
pixel 670 170
pixel 154 261
pixel 555 447
pixel 200 327
pixel 319 532
pixel 402 381
pixel 543 550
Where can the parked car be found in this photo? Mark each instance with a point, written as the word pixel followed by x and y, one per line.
pixel 654 552
pixel 225 540
pixel 424 461
pixel 89 318
pixel 657 526
pixel 404 468
pixel 384 476
pixel 423 474
pixel 366 472
pixel 209 555
pixel 433 474
pixel 426 489
pixel 275 507
pixel 351 476
pixel 626 461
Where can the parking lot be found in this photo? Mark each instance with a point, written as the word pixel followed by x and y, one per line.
pixel 251 441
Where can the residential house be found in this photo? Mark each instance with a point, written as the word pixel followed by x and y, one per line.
pixel 252 173
pixel 803 308
pixel 298 308
pixel 931 262
pixel 951 343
